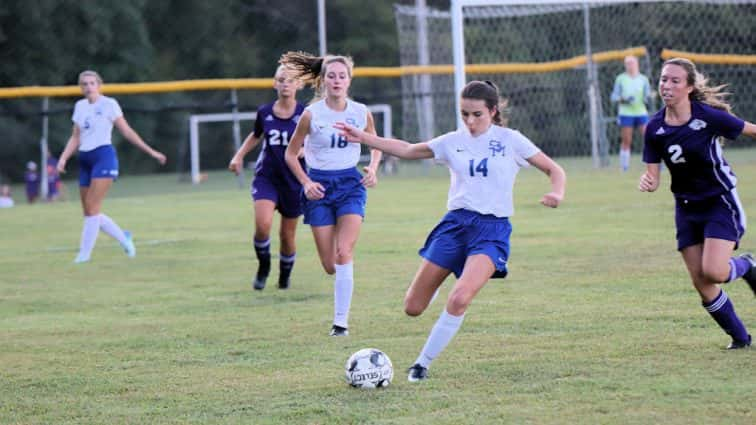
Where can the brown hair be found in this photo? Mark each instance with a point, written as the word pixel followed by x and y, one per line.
pixel 702 91
pixel 311 69
pixel 489 93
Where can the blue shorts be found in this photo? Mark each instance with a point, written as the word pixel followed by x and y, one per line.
pixel 344 194
pixel 720 217
pixel 462 233
pixel 99 163
pixel 288 199
pixel 630 121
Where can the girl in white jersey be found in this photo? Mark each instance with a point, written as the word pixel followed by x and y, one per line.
pixel 94 117
pixel 472 240
pixel 334 191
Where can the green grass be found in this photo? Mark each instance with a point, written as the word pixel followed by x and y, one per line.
pixel 597 322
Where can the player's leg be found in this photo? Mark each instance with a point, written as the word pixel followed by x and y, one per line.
pixel 264 209
pixel 422 290
pixel 704 264
pixel 477 270
pixel 288 253
pixel 347 232
pixel 626 142
pixel 92 197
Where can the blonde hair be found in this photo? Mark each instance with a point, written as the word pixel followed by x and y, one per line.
pixel 702 91
pixel 311 69
pixel 90 73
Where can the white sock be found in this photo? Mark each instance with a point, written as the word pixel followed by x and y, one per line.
pixel 110 227
pixel 624 158
pixel 442 333
pixel 89 235
pixel 342 293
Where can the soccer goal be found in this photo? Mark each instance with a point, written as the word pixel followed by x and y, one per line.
pixel 556 60
pixel 381 112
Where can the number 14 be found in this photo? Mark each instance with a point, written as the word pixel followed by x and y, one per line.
pixel 481 168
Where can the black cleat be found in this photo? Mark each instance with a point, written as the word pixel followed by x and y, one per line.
pixel 750 275
pixel 737 345
pixel 417 373
pixel 284 284
pixel 259 282
pixel 337 330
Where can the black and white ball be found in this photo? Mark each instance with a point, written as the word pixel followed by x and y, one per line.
pixel 369 368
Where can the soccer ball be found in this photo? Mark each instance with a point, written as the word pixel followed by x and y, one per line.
pixel 369 368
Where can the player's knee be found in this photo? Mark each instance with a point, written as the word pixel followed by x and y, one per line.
pixel 715 274
pixel 343 255
pixel 458 302
pixel 413 308
pixel 329 268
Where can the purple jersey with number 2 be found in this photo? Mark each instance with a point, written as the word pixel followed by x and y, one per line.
pixel 275 133
pixel 692 151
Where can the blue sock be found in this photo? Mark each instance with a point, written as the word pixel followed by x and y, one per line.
pixel 723 312
pixel 738 267
pixel 262 250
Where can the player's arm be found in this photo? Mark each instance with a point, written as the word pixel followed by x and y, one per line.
pixel 313 190
pixel 749 129
pixel 649 181
pixel 132 136
pixel 557 176
pixel 71 146
pixel 394 147
pixel 616 95
pixel 371 171
pixel 249 143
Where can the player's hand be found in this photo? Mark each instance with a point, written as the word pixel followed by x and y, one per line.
pixel 352 134
pixel 61 167
pixel 370 179
pixel 648 183
pixel 159 157
pixel 314 190
pixel 235 165
pixel 551 199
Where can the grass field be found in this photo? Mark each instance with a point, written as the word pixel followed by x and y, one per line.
pixel 597 322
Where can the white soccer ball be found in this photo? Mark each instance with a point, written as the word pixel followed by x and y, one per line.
pixel 369 368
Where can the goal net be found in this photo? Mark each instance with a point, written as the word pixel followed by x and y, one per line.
pixel 556 61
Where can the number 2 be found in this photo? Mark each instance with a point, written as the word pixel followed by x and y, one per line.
pixel 675 154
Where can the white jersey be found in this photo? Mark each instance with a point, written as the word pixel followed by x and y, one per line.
pixel 325 148
pixel 95 121
pixel 483 168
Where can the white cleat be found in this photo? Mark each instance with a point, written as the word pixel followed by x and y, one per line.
pixel 129 246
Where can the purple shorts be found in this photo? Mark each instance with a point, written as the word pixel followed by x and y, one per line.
pixel 288 199
pixel 719 217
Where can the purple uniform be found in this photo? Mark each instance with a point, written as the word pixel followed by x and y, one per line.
pixel 707 204
pixel 273 179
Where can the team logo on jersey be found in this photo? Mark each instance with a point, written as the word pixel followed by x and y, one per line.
pixel 98 111
pixel 269 118
pixel 697 124
pixel 660 131
pixel 351 121
pixel 495 147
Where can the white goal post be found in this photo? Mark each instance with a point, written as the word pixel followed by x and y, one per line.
pixel 197 119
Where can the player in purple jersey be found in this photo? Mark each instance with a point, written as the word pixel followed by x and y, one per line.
pixel 94 118
pixel 710 221
pixel 335 191
pixel 274 186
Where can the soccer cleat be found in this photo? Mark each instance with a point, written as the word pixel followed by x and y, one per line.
pixel 259 282
pixel 129 246
pixel 81 259
pixel 750 275
pixel 737 345
pixel 337 330
pixel 284 284
pixel 417 373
